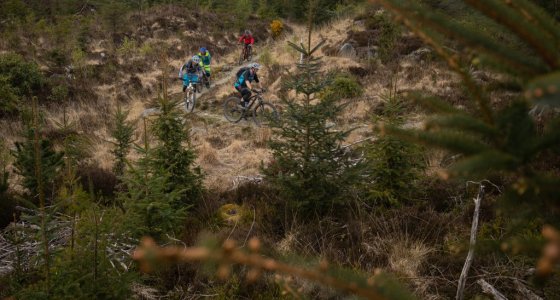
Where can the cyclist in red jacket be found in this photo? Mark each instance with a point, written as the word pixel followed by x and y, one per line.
pixel 247 40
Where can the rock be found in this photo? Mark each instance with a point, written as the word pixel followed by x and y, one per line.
pixel 480 76
pixel 347 50
pixel 159 34
pixel 420 54
pixel 359 23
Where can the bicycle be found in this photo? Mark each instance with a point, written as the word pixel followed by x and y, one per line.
pixel 191 82
pixel 246 53
pixel 263 112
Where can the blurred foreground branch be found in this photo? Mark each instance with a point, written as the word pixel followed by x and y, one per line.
pixel 376 287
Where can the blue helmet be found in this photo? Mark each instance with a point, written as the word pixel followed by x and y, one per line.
pixel 202 49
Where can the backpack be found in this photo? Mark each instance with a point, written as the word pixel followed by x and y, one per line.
pixel 241 71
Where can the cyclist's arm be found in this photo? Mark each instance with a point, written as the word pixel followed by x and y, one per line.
pixel 258 81
pixel 181 71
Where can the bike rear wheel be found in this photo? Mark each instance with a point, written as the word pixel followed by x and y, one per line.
pixel 265 114
pixel 190 101
pixel 232 111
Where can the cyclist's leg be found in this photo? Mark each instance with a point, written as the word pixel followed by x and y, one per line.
pixel 245 95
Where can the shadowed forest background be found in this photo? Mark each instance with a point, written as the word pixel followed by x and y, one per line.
pixel 416 155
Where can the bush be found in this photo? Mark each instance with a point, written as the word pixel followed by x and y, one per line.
pixel 276 27
pixel 10 100
pixel 59 93
pixel 18 78
pixel 103 181
pixel 127 48
pixel 343 87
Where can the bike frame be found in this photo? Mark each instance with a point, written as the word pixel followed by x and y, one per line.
pixel 252 100
pixel 246 50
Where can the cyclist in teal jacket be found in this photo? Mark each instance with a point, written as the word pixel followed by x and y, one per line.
pixel 243 84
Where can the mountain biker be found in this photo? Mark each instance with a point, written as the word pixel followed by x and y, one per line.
pixel 191 69
pixel 247 40
pixel 244 85
pixel 205 58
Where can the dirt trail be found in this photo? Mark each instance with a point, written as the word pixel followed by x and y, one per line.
pixel 225 78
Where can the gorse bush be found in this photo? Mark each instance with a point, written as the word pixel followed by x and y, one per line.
pixel 276 27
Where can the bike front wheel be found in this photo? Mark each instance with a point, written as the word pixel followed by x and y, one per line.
pixel 249 54
pixel 190 101
pixel 232 111
pixel 242 57
pixel 265 114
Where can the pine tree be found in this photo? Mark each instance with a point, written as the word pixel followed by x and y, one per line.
pixel 153 203
pixel 492 140
pixel 122 133
pixel 393 165
pixel 25 163
pixel 7 201
pixel 174 153
pixel 309 166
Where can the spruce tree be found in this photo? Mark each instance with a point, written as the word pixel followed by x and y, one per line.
pixel 174 153
pixel 309 167
pixel 508 140
pixel 393 166
pixel 153 203
pixel 122 133
pixel 25 163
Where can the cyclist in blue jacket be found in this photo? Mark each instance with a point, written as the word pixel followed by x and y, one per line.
pixel 191 69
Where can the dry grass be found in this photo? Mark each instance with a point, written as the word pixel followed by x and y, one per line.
pixel 228 150
pixel 207 155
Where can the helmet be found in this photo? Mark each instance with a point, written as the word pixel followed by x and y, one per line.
pixel 202 50
pixel 247 32
pixel 255 66
pixel 196 59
